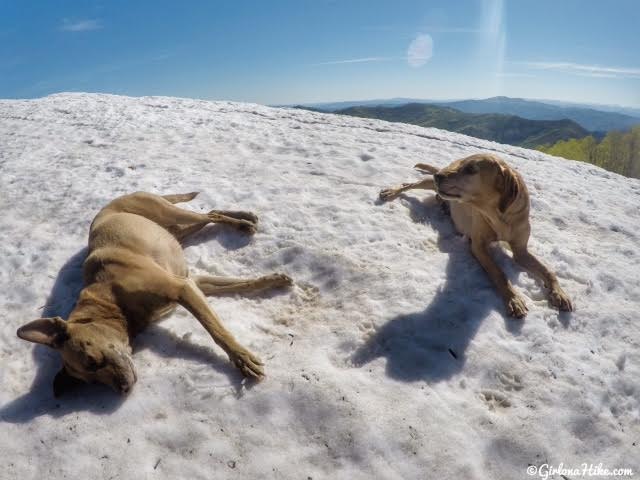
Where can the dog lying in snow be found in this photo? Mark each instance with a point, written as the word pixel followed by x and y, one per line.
pixel 489 202
pixel 135 273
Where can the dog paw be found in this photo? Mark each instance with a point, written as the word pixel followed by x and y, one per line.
pixel 247 227
pixel 244 221
pixel 241 215
pixel 248 363
pixel 278 280
pixel 423 167
pixel 560 300
pixel 516 307
pixel 388 194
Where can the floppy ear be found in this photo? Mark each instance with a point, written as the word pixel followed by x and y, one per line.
pixel 47 331
pixel 509 187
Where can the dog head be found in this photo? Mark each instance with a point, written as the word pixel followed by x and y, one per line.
pixel 90 352
pixel 478 179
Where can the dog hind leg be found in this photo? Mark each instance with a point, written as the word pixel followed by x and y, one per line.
pixel 181 232
pixel 425 168
pixel 164 213
pixel 237 214
pixel 180 197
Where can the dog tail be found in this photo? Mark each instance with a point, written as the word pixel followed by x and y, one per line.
pixel 180 197
pixel 423 167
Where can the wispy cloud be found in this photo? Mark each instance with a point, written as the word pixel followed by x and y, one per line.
pixel 597 71
pixel 80 25
pixel 355 60
pixel 420 50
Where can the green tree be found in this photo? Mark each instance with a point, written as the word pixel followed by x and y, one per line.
pixel 618 152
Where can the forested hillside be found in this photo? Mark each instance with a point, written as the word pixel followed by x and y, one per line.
pixel 500 128
pixel 618 152
pixel 589 118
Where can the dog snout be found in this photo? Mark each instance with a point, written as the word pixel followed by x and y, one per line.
pixel 123 385
pixel 124 377
pixel 124 388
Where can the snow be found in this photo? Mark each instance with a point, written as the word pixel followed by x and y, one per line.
pixel 392 356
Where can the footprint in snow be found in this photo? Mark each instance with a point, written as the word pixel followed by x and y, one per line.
pixel 116 171
pixel 560 223
pixel 510 382
pixel 494 400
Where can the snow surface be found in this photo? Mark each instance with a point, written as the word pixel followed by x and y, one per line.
pixel 392 357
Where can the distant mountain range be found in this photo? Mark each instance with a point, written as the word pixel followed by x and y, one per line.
pixel 589 118
pixel 632 112
pixel 600 118
pixel 500 128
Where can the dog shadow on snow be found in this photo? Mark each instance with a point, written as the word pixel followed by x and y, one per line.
pixel 97 398
pixel 431 345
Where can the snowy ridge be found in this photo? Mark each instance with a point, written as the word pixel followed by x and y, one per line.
pixel 392 356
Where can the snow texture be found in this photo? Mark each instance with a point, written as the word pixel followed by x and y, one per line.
pixel 392 357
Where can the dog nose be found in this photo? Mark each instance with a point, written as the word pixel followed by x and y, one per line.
pixel 438 177
pixel 123 386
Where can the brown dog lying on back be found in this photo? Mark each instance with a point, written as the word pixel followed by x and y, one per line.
pixel 489 202
pixel 134 275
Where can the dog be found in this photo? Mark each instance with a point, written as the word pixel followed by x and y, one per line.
pixel 134 275
pixel 488 201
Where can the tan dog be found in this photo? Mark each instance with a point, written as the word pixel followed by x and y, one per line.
pixel 135 273
pixel 489 202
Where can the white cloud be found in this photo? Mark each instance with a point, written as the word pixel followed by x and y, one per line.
pixel 355 60
pixel 585 70
pixel 420 50
pixel 80 25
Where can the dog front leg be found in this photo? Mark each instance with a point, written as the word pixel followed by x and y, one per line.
pixel 211 285
pixel 531 263
pixel 516 307
pixel 424 184
pixel 192 298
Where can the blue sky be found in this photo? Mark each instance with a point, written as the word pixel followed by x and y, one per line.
pixel 283 52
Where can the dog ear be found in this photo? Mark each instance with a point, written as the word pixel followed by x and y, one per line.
pixel 509 187
pixel 47 331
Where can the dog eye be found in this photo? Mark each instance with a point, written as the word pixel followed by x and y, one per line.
pixel 470 169
pixel 92 364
